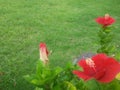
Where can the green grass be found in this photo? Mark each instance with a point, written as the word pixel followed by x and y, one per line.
pixel 67 27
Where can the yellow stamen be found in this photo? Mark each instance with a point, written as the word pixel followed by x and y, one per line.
pixel 90 63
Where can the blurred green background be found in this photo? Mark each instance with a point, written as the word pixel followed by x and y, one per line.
pixel 68 28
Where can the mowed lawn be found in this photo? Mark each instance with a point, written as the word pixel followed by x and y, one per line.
pixel 68 28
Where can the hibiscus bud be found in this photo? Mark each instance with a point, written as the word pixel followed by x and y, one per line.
pixel 107 16
pixel 43 53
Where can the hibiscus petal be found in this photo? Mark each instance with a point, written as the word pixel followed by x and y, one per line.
pixel 110 62
pixel 86 68
pixel 100 20
pixel 81 75
pixel 112 69
pixel 99 74
pixel 99 60
pixel 111 20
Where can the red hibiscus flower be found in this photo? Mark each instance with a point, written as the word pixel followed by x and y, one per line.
pixel 100 67
pixel 43 53
pixel 105 21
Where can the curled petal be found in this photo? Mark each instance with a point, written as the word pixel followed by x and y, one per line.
pixel 81 75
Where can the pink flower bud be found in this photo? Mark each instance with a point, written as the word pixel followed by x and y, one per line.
pixel 43 53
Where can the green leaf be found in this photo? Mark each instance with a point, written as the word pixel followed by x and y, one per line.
pixel 69 86
pixel 57 87
pixel 117 56
pixel 34 80
pixel 69 65
pixel 58 70
pixel 92 85
pixel 37 88
pixel 29 78
pixel 39 68
pixel 114 85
